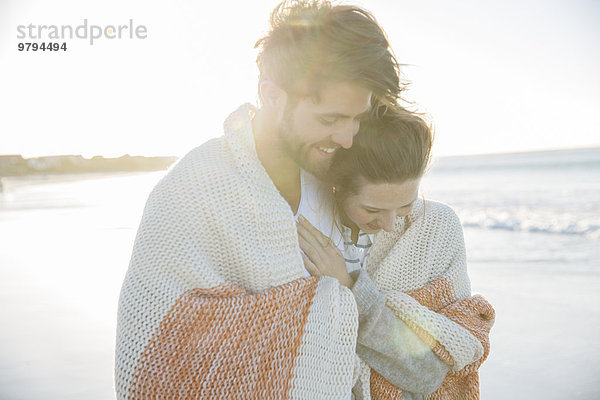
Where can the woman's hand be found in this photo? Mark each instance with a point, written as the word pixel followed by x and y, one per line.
pixel 321 257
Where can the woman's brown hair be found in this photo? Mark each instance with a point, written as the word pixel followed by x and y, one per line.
pixel 391 147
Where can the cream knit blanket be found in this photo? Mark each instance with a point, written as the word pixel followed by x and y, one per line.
pixel 421 269
pixel 213 304
pixel 426 246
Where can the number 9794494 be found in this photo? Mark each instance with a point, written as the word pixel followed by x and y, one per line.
pixel 50 46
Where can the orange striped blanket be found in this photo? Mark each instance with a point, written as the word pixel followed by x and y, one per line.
pixel 213 304
pixel 226 343
pixel 203 313
pixel 475 314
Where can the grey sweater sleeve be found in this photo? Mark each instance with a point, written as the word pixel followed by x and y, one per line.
pixel 390 347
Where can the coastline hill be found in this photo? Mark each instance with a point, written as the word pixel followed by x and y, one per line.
pixel 16 165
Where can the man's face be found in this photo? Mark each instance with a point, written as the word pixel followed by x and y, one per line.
pixel 313 130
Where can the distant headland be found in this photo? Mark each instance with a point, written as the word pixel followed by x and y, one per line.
pixel 17 165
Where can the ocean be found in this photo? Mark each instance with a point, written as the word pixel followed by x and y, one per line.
pixel 532 231
pixel 551 198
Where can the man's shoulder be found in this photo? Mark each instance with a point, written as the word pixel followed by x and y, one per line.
pixel 199 170
pixel 212 157
pixel 213 152
pixel 220 155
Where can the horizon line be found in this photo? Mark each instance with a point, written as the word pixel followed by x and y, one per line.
pixel 491 153
pixel 546 150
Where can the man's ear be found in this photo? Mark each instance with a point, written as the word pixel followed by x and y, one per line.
pixel 272 95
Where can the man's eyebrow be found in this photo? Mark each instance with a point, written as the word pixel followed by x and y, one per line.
pixel 341 116
pixel 334 115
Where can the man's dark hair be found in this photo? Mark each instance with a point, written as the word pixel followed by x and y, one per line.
pixel 312 42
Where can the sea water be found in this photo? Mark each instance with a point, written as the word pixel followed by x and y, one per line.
pixel 550 199
pixel 532 230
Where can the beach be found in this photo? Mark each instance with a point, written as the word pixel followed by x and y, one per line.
pixel 66 244
pixel 543 344
pixel 531 229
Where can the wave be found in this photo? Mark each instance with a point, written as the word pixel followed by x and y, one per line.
pixel 565 160
pixel 524 221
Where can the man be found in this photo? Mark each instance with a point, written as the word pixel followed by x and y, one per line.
pixel 214 304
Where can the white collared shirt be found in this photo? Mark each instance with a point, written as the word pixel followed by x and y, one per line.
pixel 316 205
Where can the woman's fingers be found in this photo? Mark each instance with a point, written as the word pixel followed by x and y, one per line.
pixel 310 267
pixel 311 249
pixel 308 238
pixel 321 257
pixel 313 232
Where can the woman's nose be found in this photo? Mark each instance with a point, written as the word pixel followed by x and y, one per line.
pixel 387 221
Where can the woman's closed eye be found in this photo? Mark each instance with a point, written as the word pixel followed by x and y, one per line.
pixel 398 211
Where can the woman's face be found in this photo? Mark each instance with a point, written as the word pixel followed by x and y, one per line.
pixel 377 205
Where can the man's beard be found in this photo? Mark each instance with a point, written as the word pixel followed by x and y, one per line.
pixel 298 151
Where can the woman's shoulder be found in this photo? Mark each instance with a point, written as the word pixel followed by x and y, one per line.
pixel 434 213
pixel 439 209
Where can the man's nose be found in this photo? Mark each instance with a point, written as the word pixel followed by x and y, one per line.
pixel 345 135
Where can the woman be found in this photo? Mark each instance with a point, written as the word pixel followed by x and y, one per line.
pixel 404 260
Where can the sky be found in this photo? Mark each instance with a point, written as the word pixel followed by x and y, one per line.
pixel 494 77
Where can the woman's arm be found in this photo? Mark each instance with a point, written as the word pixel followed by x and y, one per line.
pixel 389 346
pixel 386 343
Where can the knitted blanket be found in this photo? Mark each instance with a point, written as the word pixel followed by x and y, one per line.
pixel 421 269
pixel 476 315
pixel 213 304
